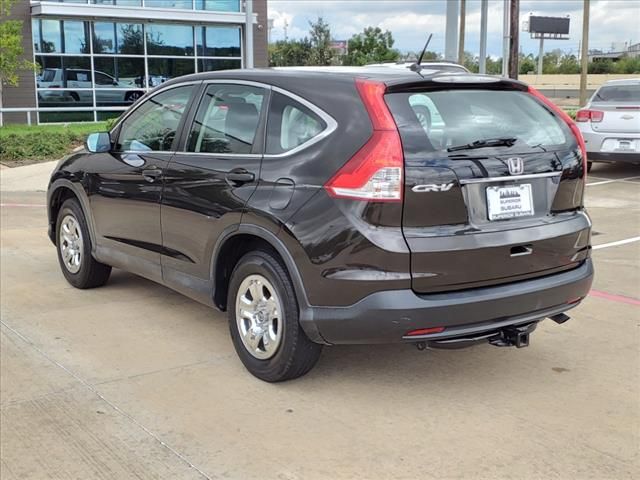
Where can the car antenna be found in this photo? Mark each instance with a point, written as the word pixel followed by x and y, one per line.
pixel 416 66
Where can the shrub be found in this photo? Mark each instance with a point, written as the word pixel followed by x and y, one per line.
pixel 22 144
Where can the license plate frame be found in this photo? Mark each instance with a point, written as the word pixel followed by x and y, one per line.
pixel 506 202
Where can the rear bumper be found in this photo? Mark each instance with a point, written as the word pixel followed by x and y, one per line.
pixel 387 316
pixel 613 157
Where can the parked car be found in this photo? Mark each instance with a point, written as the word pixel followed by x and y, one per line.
pixel 610 123
pixel 316 208
pixel 80 79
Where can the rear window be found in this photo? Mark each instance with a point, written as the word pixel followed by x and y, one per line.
pixel 448 118
pixel 618 94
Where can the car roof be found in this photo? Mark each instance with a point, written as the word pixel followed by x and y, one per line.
pixel 389 76
pixel 623 81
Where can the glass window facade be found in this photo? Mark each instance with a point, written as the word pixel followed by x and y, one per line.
pixel 213 5
pixel 98 68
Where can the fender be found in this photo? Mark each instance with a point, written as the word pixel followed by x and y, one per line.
pixel 306 310
pixel 82 197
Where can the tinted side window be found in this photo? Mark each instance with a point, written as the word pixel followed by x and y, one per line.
pixel 152 126
pixel 227 119
pixel 290 124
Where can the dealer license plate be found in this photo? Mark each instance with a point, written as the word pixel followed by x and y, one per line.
pixel 509 202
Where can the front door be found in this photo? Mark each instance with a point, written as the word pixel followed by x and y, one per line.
pixel 125 193
pixel 209 182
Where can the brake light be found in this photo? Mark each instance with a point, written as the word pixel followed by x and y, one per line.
pixel 595 116
pixel 567 119
pixel 374 173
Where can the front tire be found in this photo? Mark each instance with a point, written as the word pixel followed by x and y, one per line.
pixel 73 244
pixel 263 320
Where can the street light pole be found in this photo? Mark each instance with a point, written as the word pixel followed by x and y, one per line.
pixel 505 38
pixel 584 56
pixel 484 6
pixel 451 32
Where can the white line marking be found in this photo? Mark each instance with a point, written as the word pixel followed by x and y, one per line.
pixel 111 404
pixel 604 182
pixel 19 205
pixel 615 244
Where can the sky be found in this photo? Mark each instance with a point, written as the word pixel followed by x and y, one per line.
pixel 410 22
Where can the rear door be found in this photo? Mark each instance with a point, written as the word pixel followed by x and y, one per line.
pixel 482 216
pixel 210 179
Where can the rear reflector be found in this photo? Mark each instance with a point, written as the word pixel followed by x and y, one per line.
pixel 424 331
pixel 567 119
pixel 374 173
pixel 595 116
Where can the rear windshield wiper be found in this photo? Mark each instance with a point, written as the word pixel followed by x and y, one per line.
pixel 489 142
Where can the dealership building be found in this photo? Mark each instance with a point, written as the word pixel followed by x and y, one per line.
pixel 97 57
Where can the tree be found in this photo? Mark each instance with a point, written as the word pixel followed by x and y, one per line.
pixel 289 53
pixel 321 52
pixel 371 46
pixel 527 64
pixel 11 51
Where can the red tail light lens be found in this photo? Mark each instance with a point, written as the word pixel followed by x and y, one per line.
pixel 425 331
pixel 374 173
pixel 595 116
pixel 567 119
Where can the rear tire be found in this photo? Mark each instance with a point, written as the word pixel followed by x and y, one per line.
pixel 272 346
pixel 73 244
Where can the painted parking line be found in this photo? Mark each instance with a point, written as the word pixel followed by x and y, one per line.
pixel 21 205
pixel 616 243
pixel 614 298
pixel 604 182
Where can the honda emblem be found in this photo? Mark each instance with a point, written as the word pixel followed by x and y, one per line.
pixel 516 165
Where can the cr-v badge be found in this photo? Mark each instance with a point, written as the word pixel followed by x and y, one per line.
pixel 433 187
pixel 516 165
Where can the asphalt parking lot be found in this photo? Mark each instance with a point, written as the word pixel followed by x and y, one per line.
pixel 133 380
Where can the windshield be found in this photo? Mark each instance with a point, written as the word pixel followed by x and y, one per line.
pixel 48 75
pixel 450 118
pixel 618 94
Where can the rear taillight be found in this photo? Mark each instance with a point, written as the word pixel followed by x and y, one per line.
pixel 567 119
pixel 595 116
pixel 374 173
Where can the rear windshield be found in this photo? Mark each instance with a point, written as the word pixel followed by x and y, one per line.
pixel 452 118
pixel 618 93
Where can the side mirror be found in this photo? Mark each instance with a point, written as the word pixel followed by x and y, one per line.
pixel 98 142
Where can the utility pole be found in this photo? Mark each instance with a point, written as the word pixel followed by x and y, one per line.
pixel 463 8
pixel 505 38
pixel 484 6
pixel 451 32
pixel 514 58
pixel 584 56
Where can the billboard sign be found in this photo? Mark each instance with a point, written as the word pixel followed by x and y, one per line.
pixel 553 26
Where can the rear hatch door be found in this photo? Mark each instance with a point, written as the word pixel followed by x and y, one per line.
pixel 481 215
pixel 621 107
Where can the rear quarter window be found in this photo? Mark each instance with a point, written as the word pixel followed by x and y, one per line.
pixel 449 118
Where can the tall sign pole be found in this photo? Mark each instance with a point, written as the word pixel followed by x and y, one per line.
pixel 484 7
pixel 514 55
pixel 584 56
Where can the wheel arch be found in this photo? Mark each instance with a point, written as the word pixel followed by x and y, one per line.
pixel 60 191
pixel 240 239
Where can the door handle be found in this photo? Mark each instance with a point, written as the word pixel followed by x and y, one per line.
pixel 151 174
pixel 238 176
